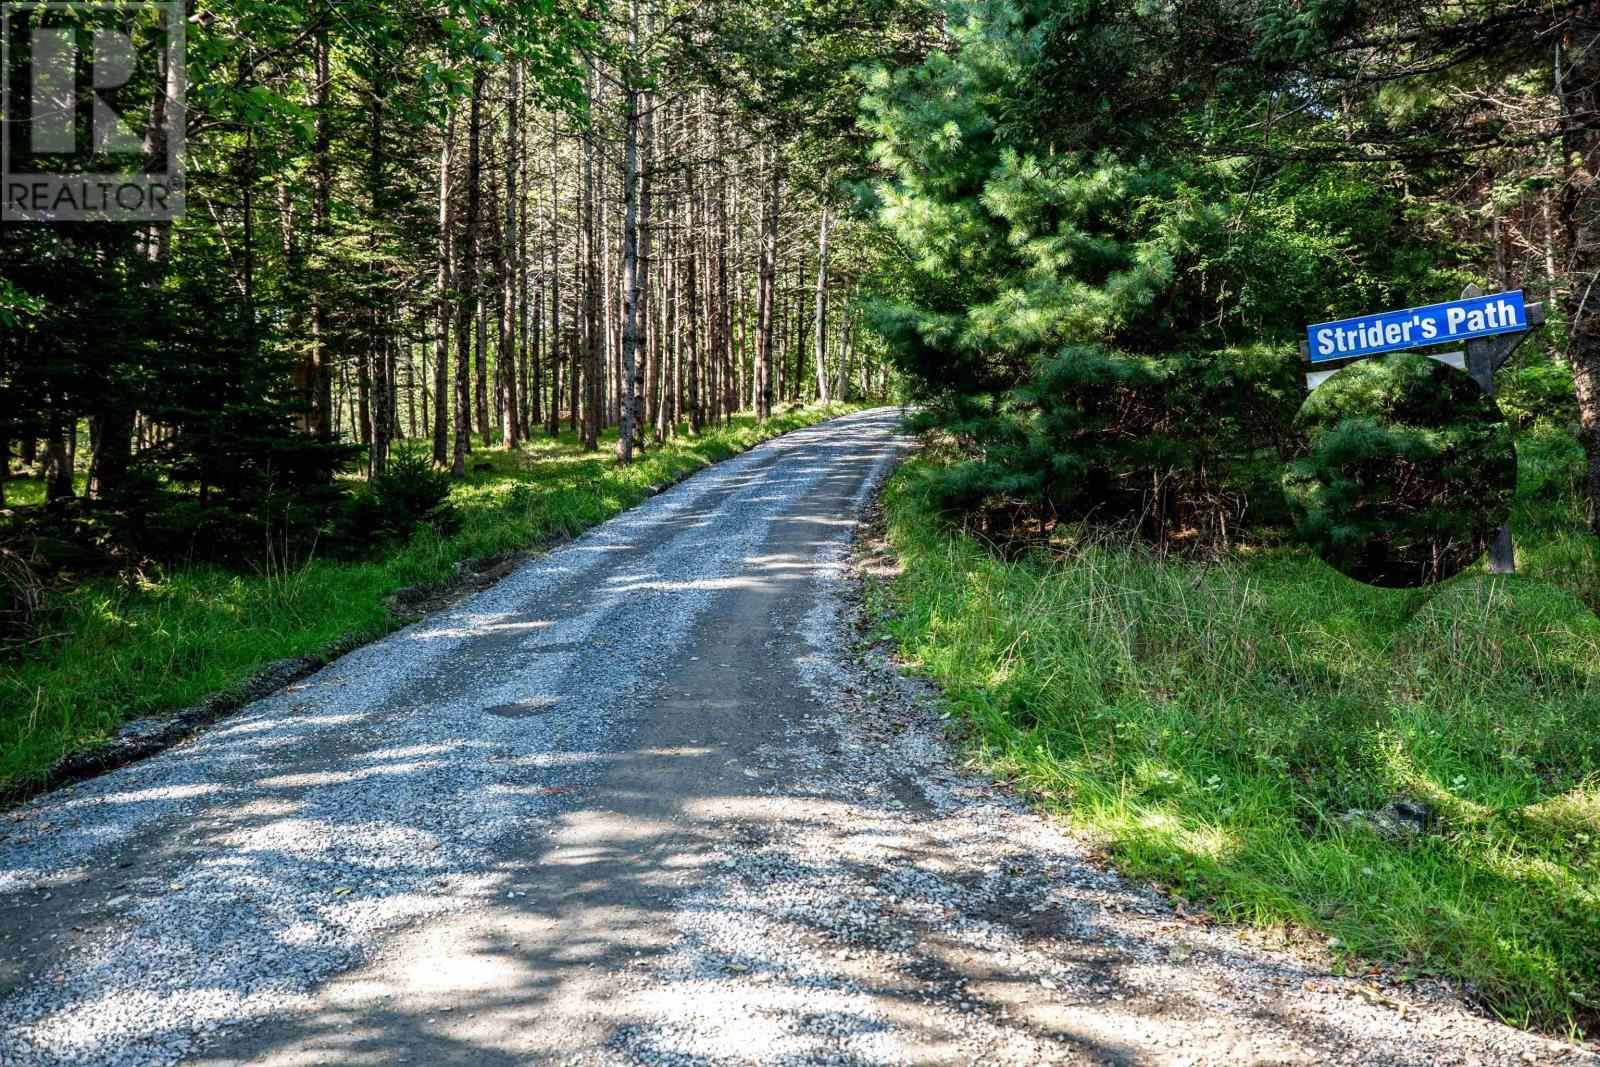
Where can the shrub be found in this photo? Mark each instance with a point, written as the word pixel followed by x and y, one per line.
pixel 1404 472
pixel 409 494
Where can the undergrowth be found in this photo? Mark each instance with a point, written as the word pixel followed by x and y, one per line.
pixel 1220 726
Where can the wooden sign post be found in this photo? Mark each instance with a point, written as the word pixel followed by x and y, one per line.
pixel 1485 355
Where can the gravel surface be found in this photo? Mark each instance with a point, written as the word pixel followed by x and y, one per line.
pixel 651 799
pixel 912 911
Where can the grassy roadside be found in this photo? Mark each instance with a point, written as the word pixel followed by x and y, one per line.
pixel 120 652
pixel 1210 724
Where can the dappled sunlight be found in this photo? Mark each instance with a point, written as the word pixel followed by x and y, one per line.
pixel 444 772
pixel 462 628
pixel 154 793
pixel 447 977
pixel 699 585
pixel 547 760
pixel 1241 730
pixel 822 520
pixel 309 780
pixel 1216 843
pixel 407 752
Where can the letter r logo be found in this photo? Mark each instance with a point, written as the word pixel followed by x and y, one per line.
pixel 92 110
pixel 54 112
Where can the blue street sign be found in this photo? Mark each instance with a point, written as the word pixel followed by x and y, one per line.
pixel 1391 331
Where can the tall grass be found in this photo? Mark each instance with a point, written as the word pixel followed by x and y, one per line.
pixel 124 649
pixel 1210 724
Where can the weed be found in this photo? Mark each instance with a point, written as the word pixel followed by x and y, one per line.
pixel 1215 727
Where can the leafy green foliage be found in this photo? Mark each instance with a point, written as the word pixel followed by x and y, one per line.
pixel 1100 322
pixel 112 334
pixel 197 329
pixel 1403 471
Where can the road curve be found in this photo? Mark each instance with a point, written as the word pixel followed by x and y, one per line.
pixel 648 800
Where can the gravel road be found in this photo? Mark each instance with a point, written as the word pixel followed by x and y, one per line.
pixel 649 800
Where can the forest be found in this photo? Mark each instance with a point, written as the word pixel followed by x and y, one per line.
pixel 456 277
pixel 429 251
pixel 1082 248
pixel 461 224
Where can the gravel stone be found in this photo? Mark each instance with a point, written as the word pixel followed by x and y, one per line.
pixel 368 866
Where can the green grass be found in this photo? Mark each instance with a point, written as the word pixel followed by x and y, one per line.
pixel 113 650
pixel 24 492
pixel 1208 724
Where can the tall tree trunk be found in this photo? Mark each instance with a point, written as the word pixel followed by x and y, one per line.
pixel 494 303
pixel 768 283
pixel 508 343
pixel 446 252
pixel 320 371
pixel 555 274
pixel 689 317
pixel 724 306
pixel 411 384
pixel 59 447
pixel 480 322
pixel 111 451
pixel 593 326
pixel 480 361
pixel 645 240
pixel 1580 84
pixel 846 350
pixel 630 243
pixel 527 290
pixel 508 258
pixel 467 295
pixel 534 308
pixel 377 354
pixel 667 413
pixel 737 310
pixel 650 387
pixel 709 374
pixel 820 313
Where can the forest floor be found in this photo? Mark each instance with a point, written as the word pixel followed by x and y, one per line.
pixel 658 797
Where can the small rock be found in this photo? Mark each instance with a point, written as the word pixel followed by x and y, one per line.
pixel 1398 818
